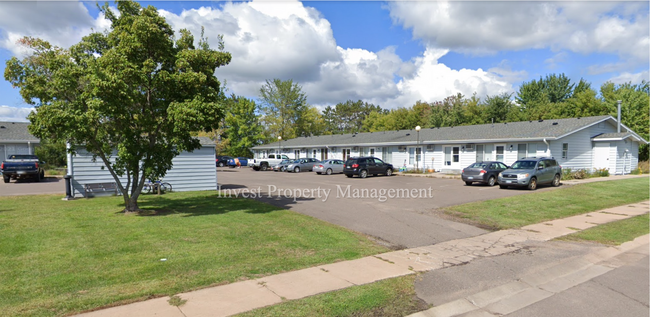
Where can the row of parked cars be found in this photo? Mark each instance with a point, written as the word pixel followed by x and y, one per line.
pixel 526 172
pixel 359 166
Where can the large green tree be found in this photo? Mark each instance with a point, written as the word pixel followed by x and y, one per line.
pixel 130 96
pixel 283 105
pixel 348 117
pixel 243 129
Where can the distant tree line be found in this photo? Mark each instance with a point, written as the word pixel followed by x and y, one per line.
pixel 284 111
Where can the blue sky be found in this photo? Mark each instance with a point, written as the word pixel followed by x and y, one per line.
pixel 391 54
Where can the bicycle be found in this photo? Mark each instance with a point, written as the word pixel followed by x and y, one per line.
pixel 152 186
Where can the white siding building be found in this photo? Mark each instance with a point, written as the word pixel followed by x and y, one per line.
pixel 577 143
pixel 16 139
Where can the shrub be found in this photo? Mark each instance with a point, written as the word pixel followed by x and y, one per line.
pixel 601 172
pixel 642 168
pixel 581 174
pixel 567 174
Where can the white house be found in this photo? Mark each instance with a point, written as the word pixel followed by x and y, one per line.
pixel 589 143
pixel 16 139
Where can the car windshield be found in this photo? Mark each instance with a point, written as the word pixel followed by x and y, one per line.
pixel 23 157
pixel 523 165
pixel 296 161
pixel 478 165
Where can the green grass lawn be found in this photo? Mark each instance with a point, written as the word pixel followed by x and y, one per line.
pixel 613 233
pixel 392 297
pixel 61 257
pixel 518 211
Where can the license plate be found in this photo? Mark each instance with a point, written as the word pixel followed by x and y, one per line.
pixel 509 182
pixel 470 177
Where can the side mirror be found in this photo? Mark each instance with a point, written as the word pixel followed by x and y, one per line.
pixel 540 167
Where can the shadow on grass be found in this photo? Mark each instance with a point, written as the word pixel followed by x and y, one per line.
pixel 213 204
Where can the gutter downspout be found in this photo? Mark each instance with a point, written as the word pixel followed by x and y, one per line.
pixel 618 124
pixel 548 147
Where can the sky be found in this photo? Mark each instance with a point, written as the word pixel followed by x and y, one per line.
pixel 390 54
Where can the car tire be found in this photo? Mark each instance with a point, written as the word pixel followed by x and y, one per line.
pixel 349 175
pixel 37 178
pixel 468 183
pixel 329 171
pixel 556 180
pixel 532 184
pixel 296 169
pixel 264 167
pixel 6 179
pixel 319 173
pixel 283 169
pixel 256 168
pixel 492 181
pixel 363 174
pixel 389 172
pixel 220 164
pixel 503 186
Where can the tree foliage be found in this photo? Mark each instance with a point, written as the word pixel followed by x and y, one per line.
pixel 131 96
pixel 242 126
pixel 283 104
pixel 348 117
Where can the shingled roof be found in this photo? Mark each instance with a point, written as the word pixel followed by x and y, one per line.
pixel 16 132
pixel 520 131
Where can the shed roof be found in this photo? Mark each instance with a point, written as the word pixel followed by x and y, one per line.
pixel 16 131
pixel 523 130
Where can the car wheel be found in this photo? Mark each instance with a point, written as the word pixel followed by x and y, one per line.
pixel 283 169
pixel 349 175
pixel 220 164
pixel 556 180
pixel 37 178
pixel 256 168
pixel 264 167
pixel 468 183
pixel 329 171
pixel 296 169
pixel 503 186
pixel 389 172
pixel 6 179
pixel 492 181
pixel 363 174
pixel 319 173
pixel 532 185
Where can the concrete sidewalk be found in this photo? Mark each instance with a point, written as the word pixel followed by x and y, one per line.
pixel 247 295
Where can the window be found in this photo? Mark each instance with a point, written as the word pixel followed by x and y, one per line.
pixel 411 156
pixel 456 156
pixel 372 151
pixel 565 150
pixel 314 154
pixel 447 156
pixel 379 162
pixel 500 151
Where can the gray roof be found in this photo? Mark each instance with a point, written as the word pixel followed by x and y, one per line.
pixel 621 135
pixel 16 131
pixel 524 130
pixel 206 141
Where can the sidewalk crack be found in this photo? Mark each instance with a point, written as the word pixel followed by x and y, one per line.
pixel 615 291
pixel 180 310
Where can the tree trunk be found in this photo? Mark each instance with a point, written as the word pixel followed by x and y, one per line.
pixel 131 205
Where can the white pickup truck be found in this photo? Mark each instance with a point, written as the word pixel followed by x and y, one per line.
pixel 267 163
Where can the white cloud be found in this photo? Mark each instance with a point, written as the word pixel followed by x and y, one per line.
pixel 60 23
pixel 433 81
pixel 634 78
pixel 487 27
pixel 14 114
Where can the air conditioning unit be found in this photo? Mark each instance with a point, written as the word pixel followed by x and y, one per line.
pixel 430 147
pixel 469 147
pixel 356 148
pixel 401 148
pixel 379 149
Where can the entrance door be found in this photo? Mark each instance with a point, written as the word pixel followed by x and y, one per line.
pixel 387 155
pixel 452 157
pixel 346 154
pixel 500 152
pixel 601 155
pixel 323 154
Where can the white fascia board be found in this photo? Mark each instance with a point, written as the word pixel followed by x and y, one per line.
pixel 423 142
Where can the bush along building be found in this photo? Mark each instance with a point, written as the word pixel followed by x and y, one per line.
pixel 599 142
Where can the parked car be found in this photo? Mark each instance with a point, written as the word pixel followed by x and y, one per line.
pixel 483 172
pixel 364 166
pixel 303 164
pixel 267 162
pixel 282 166
pixel 329 167
pixel 20 166
pixel 530 172
pixel 242 161
pixel 222 160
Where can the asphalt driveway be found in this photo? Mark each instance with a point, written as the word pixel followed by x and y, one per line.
pixel 400 221
pixel 49 185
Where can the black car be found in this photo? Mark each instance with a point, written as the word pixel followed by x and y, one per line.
pixel 368 165
pixel 483 172
pixel 222 160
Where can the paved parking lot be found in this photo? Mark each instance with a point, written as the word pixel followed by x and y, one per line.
pixel 400 221
pixel 49 185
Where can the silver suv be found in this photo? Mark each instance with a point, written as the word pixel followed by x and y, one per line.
pixel 530 172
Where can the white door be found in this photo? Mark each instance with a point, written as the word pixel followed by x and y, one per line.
pixel 500 152
pixel 452 157
pixel 601 155
pixel 346 154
